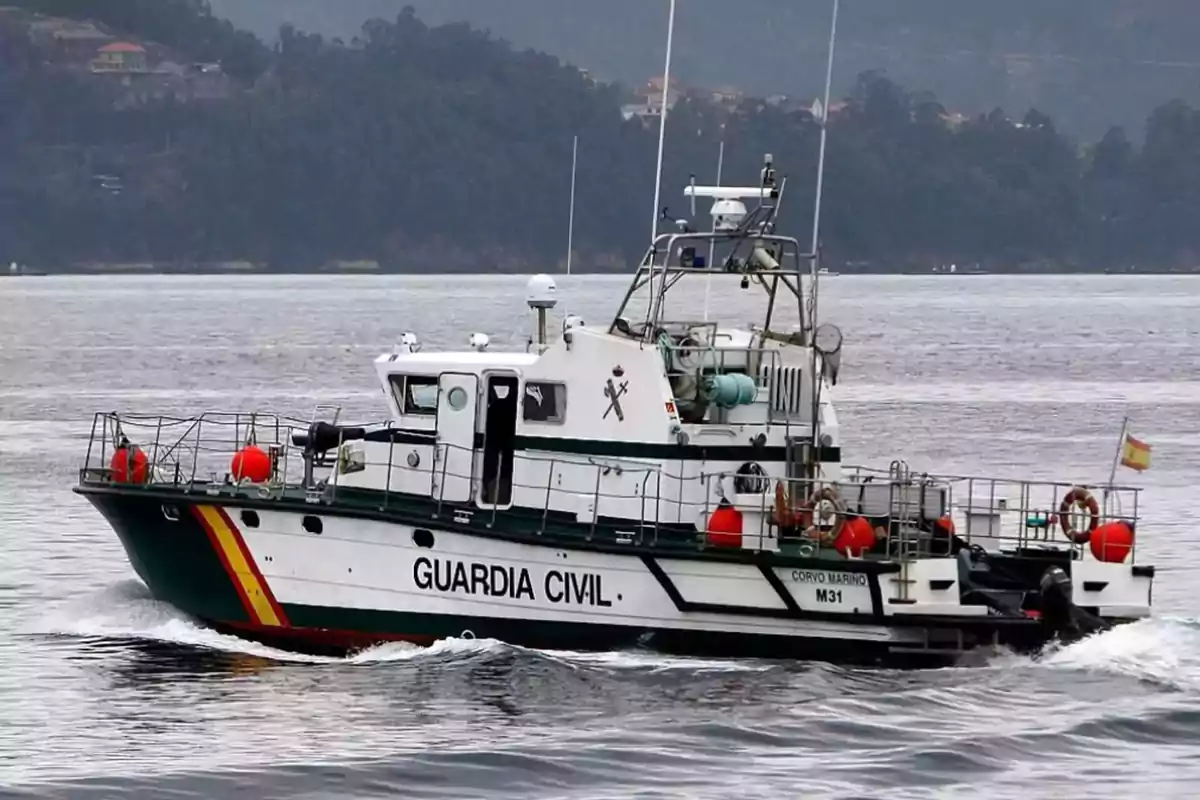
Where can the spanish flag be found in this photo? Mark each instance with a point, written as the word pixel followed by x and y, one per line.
pixel 1135 454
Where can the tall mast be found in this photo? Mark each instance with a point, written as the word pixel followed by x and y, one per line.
pixel 824 121
pixel 662 122
pixel 662 133
pixel 571 222
pixel 816 241
pixel 712 246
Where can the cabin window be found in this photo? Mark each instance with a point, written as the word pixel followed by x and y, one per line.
pixel 544 402
pixel 415 394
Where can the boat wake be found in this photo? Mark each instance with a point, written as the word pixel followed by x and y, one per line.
pixel 126 612
pixel 1164 651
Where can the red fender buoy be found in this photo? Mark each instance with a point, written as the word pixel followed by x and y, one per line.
pixel 1112 542
pixel 129 464
pixel 856 537
pixel 725 527
pixel 251 463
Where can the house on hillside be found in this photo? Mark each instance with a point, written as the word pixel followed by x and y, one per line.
pixel 121 58
pixel 727 97
pixel 648 101
pixel 65 41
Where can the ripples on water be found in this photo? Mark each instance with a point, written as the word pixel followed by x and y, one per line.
pixel 106 692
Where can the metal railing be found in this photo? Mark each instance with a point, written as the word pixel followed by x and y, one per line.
pixel 179 449
pixel 906 510
pixel 1026 514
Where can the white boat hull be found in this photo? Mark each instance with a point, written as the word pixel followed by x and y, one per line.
pixel 271 575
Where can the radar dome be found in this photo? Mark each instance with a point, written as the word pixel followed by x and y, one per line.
pixel 727 214
pixel 539 292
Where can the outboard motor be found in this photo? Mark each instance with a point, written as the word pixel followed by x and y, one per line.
pixel 1057 592
pixel 1060 616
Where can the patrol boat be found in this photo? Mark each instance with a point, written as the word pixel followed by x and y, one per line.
pixel 655 481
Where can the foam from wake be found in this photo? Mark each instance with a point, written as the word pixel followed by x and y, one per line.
pixel 1164 650
pixel 650 661
pixel 126 611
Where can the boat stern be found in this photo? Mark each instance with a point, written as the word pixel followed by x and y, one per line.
pixel 1113 592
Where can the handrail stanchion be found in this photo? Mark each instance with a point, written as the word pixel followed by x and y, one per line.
pixel 1133 549
pixel 195 454
pixel 762 515
pixel 657 502
pixel 546 505
pixel 387 487
pixel 87 459
pixel 642 511
pixel 442 482
pixel 287 449
pixel 154 458
pixel 595 505
pixel 104 459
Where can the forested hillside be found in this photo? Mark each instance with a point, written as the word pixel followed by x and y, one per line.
pixel 440 148
pixel 1088 63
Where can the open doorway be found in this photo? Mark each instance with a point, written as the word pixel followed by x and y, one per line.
pixel 499 435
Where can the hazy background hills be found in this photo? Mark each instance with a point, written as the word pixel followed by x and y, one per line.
pixel 144 133
pixel 1088 63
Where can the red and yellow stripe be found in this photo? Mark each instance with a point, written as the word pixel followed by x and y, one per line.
pixel 231 548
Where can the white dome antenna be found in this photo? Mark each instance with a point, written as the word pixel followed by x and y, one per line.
pixel 479 341
pixel 728 214
pixel 728 211
pixel 540 296
pixel 539 292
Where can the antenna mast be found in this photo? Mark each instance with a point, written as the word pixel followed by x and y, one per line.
pixel 712 246
pixel 571 223
pixel 824 120
pixel 662 122
pixel 662 133
pixel 816 241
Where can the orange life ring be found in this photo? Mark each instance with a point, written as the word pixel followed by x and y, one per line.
pixel 1079 498
pixel 787 515
pixel 814 529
